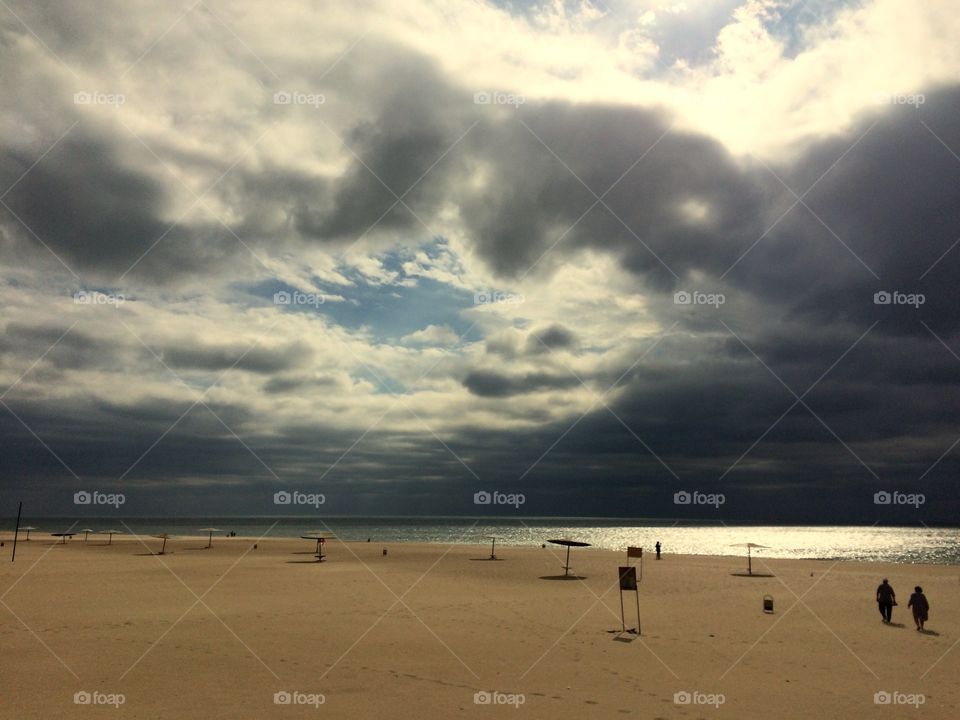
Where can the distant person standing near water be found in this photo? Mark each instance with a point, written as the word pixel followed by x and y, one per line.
pixel 657 548
pixel 886 599
pixel 918 601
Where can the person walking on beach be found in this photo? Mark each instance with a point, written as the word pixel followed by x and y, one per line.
pixel 918 601
pixel 886 599
pixel 657 548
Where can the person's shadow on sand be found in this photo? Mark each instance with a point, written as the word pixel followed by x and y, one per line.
pixel 929 632
pixel 896 625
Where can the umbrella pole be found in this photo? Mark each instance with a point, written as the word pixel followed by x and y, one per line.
pixel 17 532
pixel 210 540
pixel 493 549
pixel 566 569
pixel 749 563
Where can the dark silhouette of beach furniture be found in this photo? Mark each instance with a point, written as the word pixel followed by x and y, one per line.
pixel 321 538
pixel 63 536
pixel 568 543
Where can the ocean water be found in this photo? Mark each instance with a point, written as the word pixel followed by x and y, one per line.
pixel 879 544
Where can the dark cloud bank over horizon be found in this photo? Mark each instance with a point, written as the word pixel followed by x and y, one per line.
pixel 798 398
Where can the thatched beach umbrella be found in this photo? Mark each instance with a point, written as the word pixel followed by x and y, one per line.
pixel 86 532
pixel 749 546
pixel 28 528
pixel 63 536
pixel 164 536
pixel 111 533
pixel 211 531
pixel 568 543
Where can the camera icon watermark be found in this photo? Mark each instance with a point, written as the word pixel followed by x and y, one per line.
pixel 883 697
pixel 899 298
pixel 695 697
pixel 899 498
pixel 94 297
pixel 684 497
pixel 298 298
pixel 494 297
pixel 498 98
pixel 96 97
pixel 295 97
pixel 295 697
pixel 482 497
pixel 492 697
pixel 695 297
pixel 83 497
pixel 295 497
pixel 95 697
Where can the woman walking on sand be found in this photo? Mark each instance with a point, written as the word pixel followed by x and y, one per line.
pixel 918 602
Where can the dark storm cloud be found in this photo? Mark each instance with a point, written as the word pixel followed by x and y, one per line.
pixel 489 383
pixel 101 216
pixel 555 337
pixel 257 360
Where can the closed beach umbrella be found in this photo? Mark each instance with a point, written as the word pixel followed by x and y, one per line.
pixel 749 546
pixel 211 531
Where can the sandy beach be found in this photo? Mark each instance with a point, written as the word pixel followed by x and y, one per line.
pixel 218 633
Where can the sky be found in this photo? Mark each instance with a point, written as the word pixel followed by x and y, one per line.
pixel 593 254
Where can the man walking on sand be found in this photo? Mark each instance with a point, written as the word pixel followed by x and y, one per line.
pixel 886 599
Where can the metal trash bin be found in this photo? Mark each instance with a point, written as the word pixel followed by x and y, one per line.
pixel 768 603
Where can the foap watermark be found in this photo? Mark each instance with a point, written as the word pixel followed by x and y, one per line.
pixel 83 497
pixel 683 497
pixel 884 697
pixel 498 98
pixel 95 697
pixel 695 697
pixel 295 697
pixel 695 297
pixel 899 298
pixel 492 697
pixel 482 497
pixel 295 97
pixel 295 497
pixel 913 99
pixel 297 298
pixel 95 297
pixel 494 297
pixel 98 98
pixel 899 498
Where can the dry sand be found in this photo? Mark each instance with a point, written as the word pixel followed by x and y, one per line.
pixel 216 633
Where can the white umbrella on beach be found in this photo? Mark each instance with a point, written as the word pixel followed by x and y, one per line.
pixel 111 533
pixel 211 531
pixel 749 546
pixel 86 532
pixel 28 528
